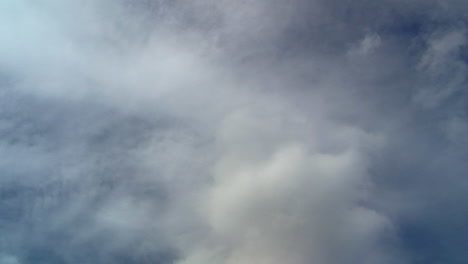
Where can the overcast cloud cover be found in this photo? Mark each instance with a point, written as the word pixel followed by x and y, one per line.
pixel 233 132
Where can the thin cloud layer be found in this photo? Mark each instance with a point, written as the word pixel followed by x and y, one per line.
pixel 222 132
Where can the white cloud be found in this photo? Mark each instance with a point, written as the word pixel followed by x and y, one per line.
pixel 275 198
pixel 228 133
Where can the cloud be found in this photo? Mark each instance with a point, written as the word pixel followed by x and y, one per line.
pixel 232 132
pixel 442 59
pixel 279 199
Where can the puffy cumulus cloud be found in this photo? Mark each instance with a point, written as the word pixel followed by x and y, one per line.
pixel 199 132
pixel 278 197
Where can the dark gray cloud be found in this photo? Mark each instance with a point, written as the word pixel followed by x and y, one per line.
pixel 229 132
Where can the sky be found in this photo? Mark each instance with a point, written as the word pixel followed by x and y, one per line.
pixel 233 132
